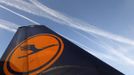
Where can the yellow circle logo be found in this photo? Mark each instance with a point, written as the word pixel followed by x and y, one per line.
pixel 34 55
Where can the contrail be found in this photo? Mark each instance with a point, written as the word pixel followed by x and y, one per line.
pixel 8 25
pixel 25 9
pixel 29 8
pixel 19 14
pixel 82 25
pixel 7 28
pixel 62 19
pixel 116 52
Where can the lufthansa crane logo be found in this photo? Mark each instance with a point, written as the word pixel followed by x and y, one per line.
pixel 34 55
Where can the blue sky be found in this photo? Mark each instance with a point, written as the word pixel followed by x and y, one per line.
pixel 102 27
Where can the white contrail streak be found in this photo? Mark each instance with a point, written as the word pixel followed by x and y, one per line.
pixel 60 18
pixel 19 14
pixel 7 28
pixel 122 56
pixel 8 25
pixel 82 25
pixel 22 5
pixel 28 7
pixel 116 53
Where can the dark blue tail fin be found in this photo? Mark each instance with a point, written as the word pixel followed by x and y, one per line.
pixel 64 58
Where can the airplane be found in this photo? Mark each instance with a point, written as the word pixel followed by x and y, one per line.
pixel 38 50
